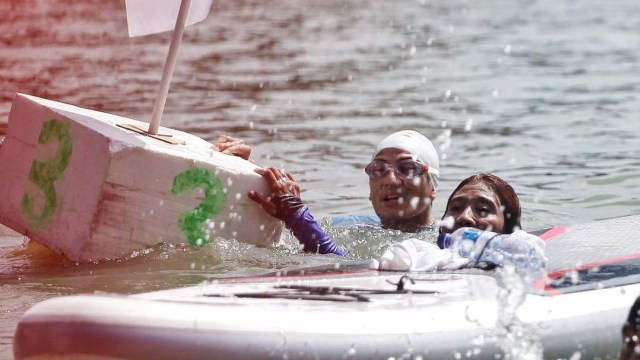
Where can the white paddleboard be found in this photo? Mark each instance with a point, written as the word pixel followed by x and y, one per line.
pixel 351 312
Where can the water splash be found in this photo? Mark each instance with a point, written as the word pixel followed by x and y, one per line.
pixel 517 339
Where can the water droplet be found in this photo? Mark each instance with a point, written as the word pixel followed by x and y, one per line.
pixel 468 125
pixel 576 356
pixel 351 352
pixel 414 202
pixel 574 276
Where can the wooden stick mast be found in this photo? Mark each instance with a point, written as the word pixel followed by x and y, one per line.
pixel 169 66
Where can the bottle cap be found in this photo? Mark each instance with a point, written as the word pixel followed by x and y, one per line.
pixel 444 240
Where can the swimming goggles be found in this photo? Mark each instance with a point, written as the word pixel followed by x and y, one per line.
pixel 406 168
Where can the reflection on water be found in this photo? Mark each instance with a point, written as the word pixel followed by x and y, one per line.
pixel 543 93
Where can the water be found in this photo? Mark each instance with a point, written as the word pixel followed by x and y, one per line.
pixel 545 94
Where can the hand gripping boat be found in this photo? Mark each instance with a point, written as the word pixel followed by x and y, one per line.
pixel 348 311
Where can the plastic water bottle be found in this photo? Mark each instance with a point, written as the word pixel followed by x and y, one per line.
pixel 523 250
pixel 465 239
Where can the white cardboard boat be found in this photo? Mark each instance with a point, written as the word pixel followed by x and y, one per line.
pixel 352 312
pixel 82 183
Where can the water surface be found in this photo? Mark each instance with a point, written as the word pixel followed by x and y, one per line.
pixel 546 94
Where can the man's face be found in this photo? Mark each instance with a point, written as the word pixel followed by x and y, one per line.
pixel 397 198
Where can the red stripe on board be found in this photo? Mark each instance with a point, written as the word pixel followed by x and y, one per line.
pixel 556 274
pixel 553 232
pixel 542 284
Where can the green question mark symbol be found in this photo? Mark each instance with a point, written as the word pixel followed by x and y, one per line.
pixel 191 222
pixel 45 173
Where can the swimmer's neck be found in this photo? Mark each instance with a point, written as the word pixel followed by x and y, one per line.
pixel 414 224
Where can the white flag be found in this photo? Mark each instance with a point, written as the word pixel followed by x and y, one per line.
pixel 146 17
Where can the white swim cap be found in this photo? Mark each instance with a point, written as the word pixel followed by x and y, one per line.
pixel 417 144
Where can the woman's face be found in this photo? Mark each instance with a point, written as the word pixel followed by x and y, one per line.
pixel 474 205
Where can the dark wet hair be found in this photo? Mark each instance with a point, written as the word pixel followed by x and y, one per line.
pixel 630 331
pixel 506 194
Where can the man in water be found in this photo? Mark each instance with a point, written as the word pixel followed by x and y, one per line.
pixel 403 180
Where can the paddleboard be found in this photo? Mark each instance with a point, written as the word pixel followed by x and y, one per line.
pixel 348 311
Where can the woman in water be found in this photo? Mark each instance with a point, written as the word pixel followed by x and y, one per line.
pixel 483 201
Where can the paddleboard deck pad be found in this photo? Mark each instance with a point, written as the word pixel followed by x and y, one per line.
pixel 349 311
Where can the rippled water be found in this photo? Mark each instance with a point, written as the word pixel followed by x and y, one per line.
pixel 544 93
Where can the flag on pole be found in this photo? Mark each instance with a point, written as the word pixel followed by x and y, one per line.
pixel 146 17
